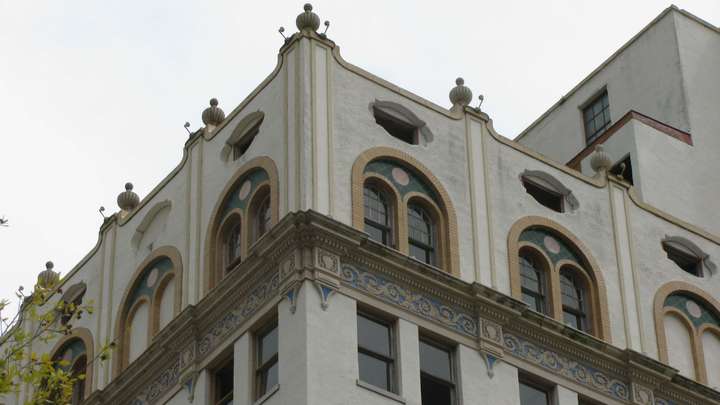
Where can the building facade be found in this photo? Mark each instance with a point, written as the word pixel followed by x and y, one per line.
pixel 336 239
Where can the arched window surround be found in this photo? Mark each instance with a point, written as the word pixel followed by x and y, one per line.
pixel 590 272
pixel 213 267
pixel 393 194
pixel 125 313
pixel 696 334
pixel 448 257
pixel 85 336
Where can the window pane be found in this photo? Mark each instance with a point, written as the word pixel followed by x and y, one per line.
pixel 435 361
pixel 224 384
pixel 420 253
pixel 373 336
pixel 419 225
pixel 434 392
pixel 376 208
pixel 374 371
pixel 530 395
pixel 268 345
pixel 571 292
pixel 269 379
pixel 376 234
pixel 571 320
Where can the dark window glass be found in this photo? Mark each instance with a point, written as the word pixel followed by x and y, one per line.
pixel 375 352
pixel 596 117
pixel 686 260
pixel 532 395
pixel 437 385
pixel 548 198
pixel 421 234
pixel 574 298
pixel 399 129
pixel 262 218
pixel 78 371
pixel 377 215
pixel 266 373
pixel 623 169
pixel 533 283
pixel 223 380
pixel 232 247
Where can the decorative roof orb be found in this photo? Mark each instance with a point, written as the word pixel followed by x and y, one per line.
pixel 213 115
pixel 128 200
pixel 48 278
pixel 307 19
pixel 460 95
pixel 600 160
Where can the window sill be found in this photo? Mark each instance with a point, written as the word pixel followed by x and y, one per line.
pixel 267 395
pixel 380 391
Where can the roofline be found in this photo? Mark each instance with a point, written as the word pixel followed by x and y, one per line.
pixel 612 58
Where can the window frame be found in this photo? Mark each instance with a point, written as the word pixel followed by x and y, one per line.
pixel 548 388
pixel 543 280
pixel 589 104
pixel 431 250
pixel 261 198
pixel 451 349
pixel 215 382
pixel 584 313
pixel 393 378
pixel 260 369
pixel 388 229
pixel 228 262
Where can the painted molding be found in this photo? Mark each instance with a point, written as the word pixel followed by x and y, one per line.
pixel 86 337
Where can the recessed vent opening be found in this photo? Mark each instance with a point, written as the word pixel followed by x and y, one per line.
pixel 548 198
pixel 623 169
pixel 244 143
pixel 396 127
pixel 687 261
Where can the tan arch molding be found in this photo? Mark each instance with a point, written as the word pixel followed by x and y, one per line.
pixel 659 312
pixel 212 236
pixel 170 252
pixel 445 204
pixel 591 269
pixel 85 336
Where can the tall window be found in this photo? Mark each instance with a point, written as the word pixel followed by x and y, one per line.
pixel 223 385
pixel 376 352
pixel 262 218
pixel 596 117
pixel 79 370
pixel 421 234
pixel 533 283
pixel 574 300
pixel 266 371
pixel 437 380
pixel 378 215
pixel 232 246
pixel 532 394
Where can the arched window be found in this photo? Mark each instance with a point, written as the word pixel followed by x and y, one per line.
pixel 553 273
pixel 150 302
pixel 574 300
pixel 263 218
pixel 534 282
pixel 421 234
pixel 687 325
pixel 71 355
pixel 378 215
pixel 398 202
pixel 260 213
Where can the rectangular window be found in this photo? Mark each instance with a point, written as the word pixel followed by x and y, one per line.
pixel 376 352
pixel 266 369
pixel 437 376
pixel 596 117
pixel 223 384
pixel 533 394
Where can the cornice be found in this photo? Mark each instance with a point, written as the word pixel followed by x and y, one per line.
pixel 311 246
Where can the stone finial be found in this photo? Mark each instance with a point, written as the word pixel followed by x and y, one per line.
pixel 600 160
pixel 128 200
pixel 213 115
pixel 460 95
pixel 308 19
pixel 48 278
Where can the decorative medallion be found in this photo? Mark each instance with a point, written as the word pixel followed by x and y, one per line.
pixel 245 190
pixel 152 277
pixel 400 176
pixel 551 244
pixel 693 309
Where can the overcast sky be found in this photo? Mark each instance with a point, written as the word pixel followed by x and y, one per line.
pixel 95 93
